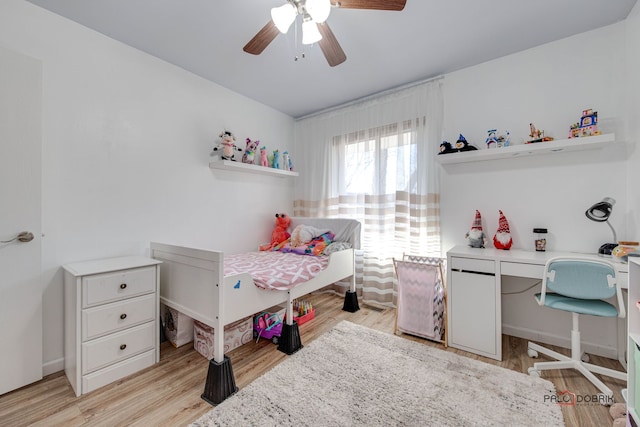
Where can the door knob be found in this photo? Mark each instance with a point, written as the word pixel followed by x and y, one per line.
pixel 23 236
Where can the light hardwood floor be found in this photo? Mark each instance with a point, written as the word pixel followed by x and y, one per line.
pixel 168 394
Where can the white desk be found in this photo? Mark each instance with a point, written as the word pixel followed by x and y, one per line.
pixel 474 303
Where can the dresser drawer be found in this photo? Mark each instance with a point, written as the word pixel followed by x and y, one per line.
pixel 116 371
pixel 118 285
pixel 113 348
pixel 116 316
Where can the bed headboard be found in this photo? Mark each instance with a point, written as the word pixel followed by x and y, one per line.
pixel 345 229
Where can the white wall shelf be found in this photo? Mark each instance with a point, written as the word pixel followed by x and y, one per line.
pixel 245 167
pixel 549 147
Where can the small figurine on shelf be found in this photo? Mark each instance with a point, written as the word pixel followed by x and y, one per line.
pixel 496 141
pixel 263 157
pixel 290 164
pixel 504 140
pixel 588 125
pixel 446 148
pixel 492 139
pixel 463 145
pixel 285 160
pixel 276 159
pixel 476 237
pixel 502 239
pixel 250 151
pixel 537 135
pixel 227 146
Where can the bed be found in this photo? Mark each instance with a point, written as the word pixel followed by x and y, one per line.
pixel 192 281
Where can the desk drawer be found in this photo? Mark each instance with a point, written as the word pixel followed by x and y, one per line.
pixel 518 269
pixel 473 265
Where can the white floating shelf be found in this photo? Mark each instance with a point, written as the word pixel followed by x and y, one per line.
pixel 245 167
pixel 560 145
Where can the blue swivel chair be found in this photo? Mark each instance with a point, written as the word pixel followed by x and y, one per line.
pixel 579 286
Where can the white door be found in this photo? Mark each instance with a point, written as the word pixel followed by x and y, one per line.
pixel 20 210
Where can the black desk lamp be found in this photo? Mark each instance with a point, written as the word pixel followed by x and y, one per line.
pixel 600 212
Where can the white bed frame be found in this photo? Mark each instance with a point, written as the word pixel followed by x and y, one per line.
pixel 192 281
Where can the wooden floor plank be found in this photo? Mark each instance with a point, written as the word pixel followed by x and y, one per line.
pixel 168 393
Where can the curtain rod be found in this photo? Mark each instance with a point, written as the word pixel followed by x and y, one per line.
pixel 369 97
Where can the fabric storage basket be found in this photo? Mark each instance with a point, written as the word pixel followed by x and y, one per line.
pixel 235 334
pixel 178 327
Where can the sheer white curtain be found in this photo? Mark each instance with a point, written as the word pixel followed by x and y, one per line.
pixel 375 161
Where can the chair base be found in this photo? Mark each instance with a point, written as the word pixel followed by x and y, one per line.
pixel 574 362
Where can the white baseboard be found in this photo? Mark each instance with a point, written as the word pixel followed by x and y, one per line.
pixel 546 338
pixel 52 367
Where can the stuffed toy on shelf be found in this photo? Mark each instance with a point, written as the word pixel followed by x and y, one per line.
pixel 227 146
pixel 462 144
pixel 502 239
pixel 446 148
pixel 279 233
pixel 476 237
pixel 250 151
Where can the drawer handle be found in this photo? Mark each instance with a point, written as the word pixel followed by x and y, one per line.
pixel 123 286
pixel 123 316
pixel 123 346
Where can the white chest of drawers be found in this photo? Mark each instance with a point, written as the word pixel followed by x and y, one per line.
pixel 111 320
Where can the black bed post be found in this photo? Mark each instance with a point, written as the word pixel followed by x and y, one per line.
pixel 290 338
pixel 350 302
pixel 220 382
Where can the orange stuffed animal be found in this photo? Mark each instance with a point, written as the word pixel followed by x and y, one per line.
pixel 280 233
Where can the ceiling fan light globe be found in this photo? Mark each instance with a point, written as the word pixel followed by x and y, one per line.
pixel 283 16
pixel 310 33
pixel 318 9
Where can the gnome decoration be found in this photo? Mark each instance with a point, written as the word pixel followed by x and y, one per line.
pixel 502 239
pixel 476 237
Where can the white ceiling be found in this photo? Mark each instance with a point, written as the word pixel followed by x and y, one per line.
pixel 384 49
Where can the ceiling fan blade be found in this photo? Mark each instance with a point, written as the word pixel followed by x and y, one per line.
pixel 330 46
pixel 370 4
pixel 261 40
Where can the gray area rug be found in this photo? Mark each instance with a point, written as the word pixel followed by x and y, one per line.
pixel 356 376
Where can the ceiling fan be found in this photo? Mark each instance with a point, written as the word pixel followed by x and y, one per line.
pixel 314 14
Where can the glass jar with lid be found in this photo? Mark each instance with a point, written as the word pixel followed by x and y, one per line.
pixel 540 238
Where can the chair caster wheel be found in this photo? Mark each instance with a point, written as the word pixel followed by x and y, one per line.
pixel 585 358
pixel 534 372
pixel 532 353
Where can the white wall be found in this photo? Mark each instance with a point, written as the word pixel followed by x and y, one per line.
pixel 126 143
pixel 548 85
pixel 632 97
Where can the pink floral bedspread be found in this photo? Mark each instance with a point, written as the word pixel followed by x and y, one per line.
pixel 275 270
